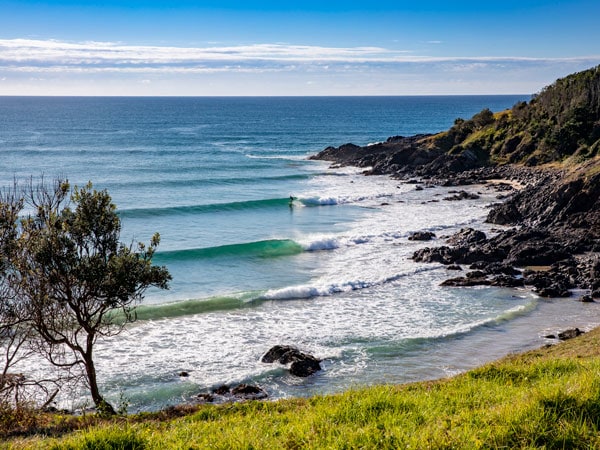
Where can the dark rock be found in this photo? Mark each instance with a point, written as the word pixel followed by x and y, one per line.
pixel 550 336
pixel 507 281
pixel 454 267
pixel 302 365
pixel 466 237
pixel 444 255
pixel 418 188
pixel 466 282
pixel 479 265
pixel 226 393
pixel 496 268
pixel 586 299
pixel 537 254
pixel 184 374
pixel 283 354
pixel 222 390
pixel 421 236
pixel 461 195
pixel 549 283
pixel 504 214
pixel 570 334
pixel 503 187
pixel 595 293
pixel 476 274
pixel 248 392
pixel 554 290
pixel 205 397
pixel 305 367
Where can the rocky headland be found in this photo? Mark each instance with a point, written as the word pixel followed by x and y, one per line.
pixel 550 148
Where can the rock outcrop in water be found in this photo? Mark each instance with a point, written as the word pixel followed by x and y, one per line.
pixel 550 147
pixel 302 364
pixel 225 394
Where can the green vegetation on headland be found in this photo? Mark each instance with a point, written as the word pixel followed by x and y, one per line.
pixel 561 122
pixel 547 398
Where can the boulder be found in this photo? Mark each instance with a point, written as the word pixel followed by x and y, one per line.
pixel 225 393
pixel 466 282
pixel 549 283
pixel 507 281
pixel 421 236
pixel 248 392
pixel 283 354
pixel 305 367
pixel 570 334
pixel 443 255
pixel 222 390
pixel 461 195
pixel 554 290
pixel 536 253
pixel 466 237
pixel 302 364
pixel 496 268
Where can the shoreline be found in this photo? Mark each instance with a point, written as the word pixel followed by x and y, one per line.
pixel 548 226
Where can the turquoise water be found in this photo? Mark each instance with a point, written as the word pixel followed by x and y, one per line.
pixel 331 273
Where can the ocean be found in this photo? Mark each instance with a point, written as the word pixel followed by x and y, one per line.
pixel 331 273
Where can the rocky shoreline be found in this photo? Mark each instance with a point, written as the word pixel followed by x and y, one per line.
pixel 553 245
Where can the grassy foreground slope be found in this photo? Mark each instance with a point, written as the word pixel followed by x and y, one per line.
pixel 546 398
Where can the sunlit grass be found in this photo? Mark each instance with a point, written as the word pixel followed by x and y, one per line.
pixel 548 398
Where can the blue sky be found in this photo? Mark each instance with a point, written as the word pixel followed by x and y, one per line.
pixel 226 47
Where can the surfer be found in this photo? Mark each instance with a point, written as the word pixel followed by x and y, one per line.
pixel 291 201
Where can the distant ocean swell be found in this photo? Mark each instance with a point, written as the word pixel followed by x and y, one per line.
pixel 275 248
pixel 203 209
pixel 136 213
pixel 207 181
pixel 271 248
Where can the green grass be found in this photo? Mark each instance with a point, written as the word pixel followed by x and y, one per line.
pixel 548 398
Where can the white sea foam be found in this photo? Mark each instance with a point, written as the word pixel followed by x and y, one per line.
pixel 320 201
pixel 284 157
pixel 324 243
pixel 341 200
pixel 307 291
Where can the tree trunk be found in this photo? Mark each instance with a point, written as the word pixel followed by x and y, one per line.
pixel 102 405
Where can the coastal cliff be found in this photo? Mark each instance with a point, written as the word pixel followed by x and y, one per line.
pixel 551 145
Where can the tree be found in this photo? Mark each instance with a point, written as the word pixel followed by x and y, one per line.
pixel 78 282
pixel 14 329
pixel 483 118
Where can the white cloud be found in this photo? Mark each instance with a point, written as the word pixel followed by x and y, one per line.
pixel 57 52
pixel 38 55
pixel 110 68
